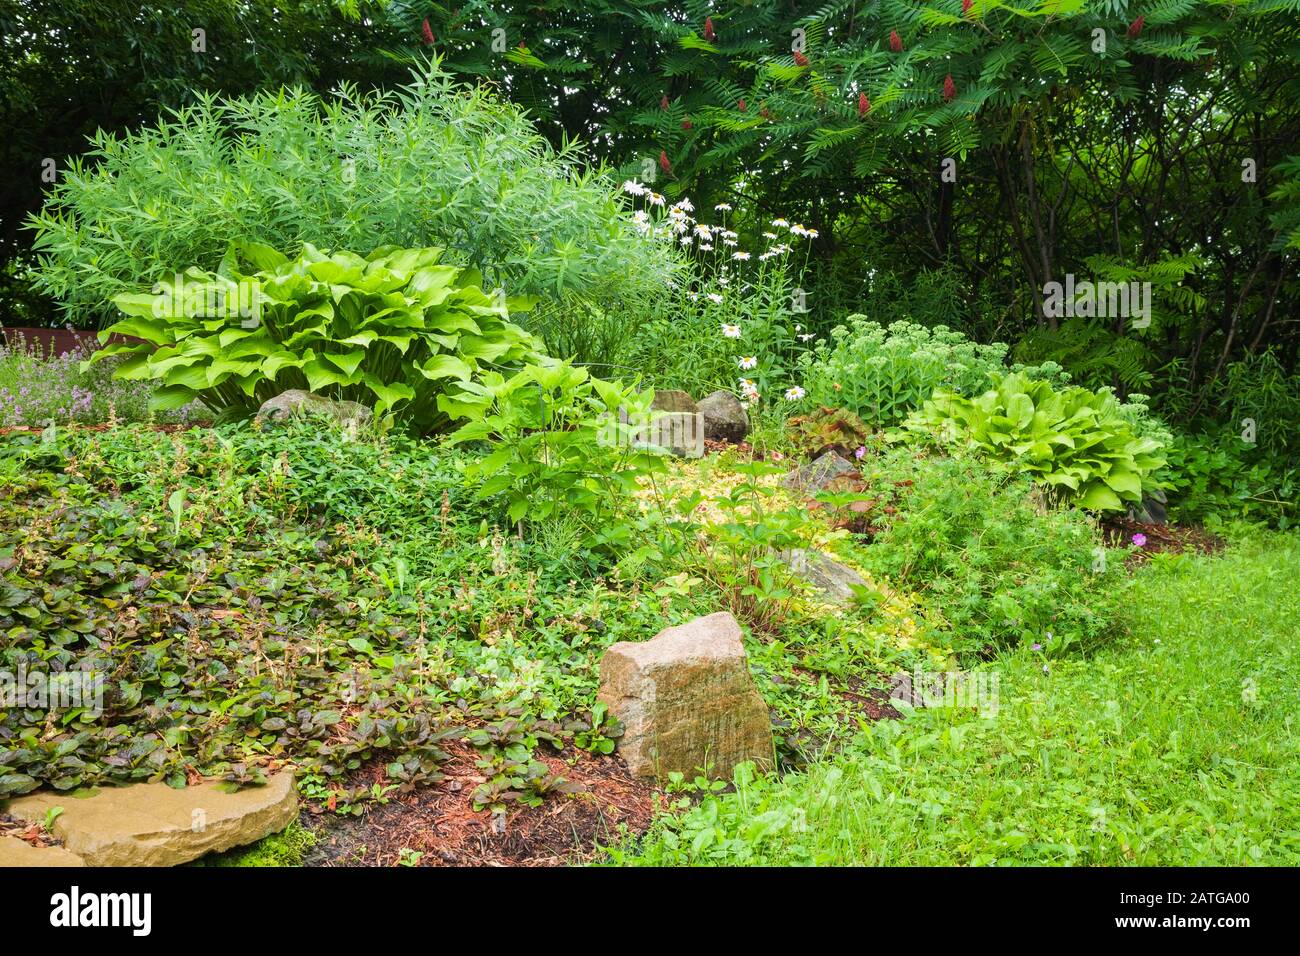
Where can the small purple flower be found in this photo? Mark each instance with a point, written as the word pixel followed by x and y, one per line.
pixel 1140 539
pixel 861 452
pixel 1036 647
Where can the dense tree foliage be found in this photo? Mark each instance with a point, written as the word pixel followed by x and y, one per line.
pixel 965 153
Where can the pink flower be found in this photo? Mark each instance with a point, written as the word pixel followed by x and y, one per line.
pixel 1140 539
pixel 861 452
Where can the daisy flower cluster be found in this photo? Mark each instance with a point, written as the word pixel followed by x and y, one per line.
pixel 719 289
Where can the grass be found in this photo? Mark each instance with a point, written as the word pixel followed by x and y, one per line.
pixel 1173 746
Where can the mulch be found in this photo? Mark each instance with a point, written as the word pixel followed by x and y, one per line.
pixel 33 833
pixel 1118 531
pixel 440 823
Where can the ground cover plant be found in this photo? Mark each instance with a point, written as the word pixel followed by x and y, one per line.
pixel 986 307
pixel 1171 746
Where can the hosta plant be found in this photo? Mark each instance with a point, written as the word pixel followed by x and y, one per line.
pixel 397 330
pixel 1078 443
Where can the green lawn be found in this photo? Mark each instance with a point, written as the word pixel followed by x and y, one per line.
pixel 1175 745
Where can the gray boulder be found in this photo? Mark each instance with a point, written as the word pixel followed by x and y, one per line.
pixel 835 581
pixel 818 475
pixel 725 418
pixel 296 402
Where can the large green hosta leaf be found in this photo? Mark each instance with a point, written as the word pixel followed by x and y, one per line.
pixel 1075 441
pixel 397 329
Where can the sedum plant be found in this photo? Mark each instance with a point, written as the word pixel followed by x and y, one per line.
pixel 883 374
pixel 397 330
pixel 1078 443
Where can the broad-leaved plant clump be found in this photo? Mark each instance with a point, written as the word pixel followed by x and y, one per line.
pixel 1078 443
pixel 396 330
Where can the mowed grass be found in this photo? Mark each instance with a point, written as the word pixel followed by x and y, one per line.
pixel 1175 745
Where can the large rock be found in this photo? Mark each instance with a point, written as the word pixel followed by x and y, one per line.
pixel 673 400
pixel 835 581
pixel 296 402
pixel 16 852
pixel 152 824
pixel 677 433
pixel 818 475
pixel 725 418
pixel 686 700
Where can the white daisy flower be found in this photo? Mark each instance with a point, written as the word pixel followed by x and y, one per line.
pixel 706 247
pixel 740 256
pixel 723 207
pixel 731 331
pixel 714 298
pixel 748 362
pixel 794 393
pixel 634 188
pixel 769 235
pixel 729 242
pixel 780 224
pixel 656 199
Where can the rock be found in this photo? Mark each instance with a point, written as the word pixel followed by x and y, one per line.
pixel 725 418
pixel 1152 509
pixel 836 581
pixel 686 699
pixel 678 433
pixel 16 852
pixel 152 824
pixel 297 402
pixel 673 400
pixel 818 475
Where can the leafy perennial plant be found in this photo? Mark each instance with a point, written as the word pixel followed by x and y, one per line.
pixel 397 329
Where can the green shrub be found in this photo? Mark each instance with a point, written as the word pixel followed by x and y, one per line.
pixel 1213 478
pixel 995 570
pixel 883 374
pixel 395 330
pixel 1080 444
pixel 561 442
pixel 432 164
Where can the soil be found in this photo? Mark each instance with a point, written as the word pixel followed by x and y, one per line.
pixel 1118 531
pixel 440 823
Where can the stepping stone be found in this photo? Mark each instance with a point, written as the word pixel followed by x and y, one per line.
pixel 16 852
pixel 686 699
pixel 152 824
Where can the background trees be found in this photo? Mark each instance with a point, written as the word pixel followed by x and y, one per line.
pixel 954 155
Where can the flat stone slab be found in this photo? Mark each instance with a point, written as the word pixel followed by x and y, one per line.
pixel 16 852
pixel 152 824
pixel 673 400
pixel 686 700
